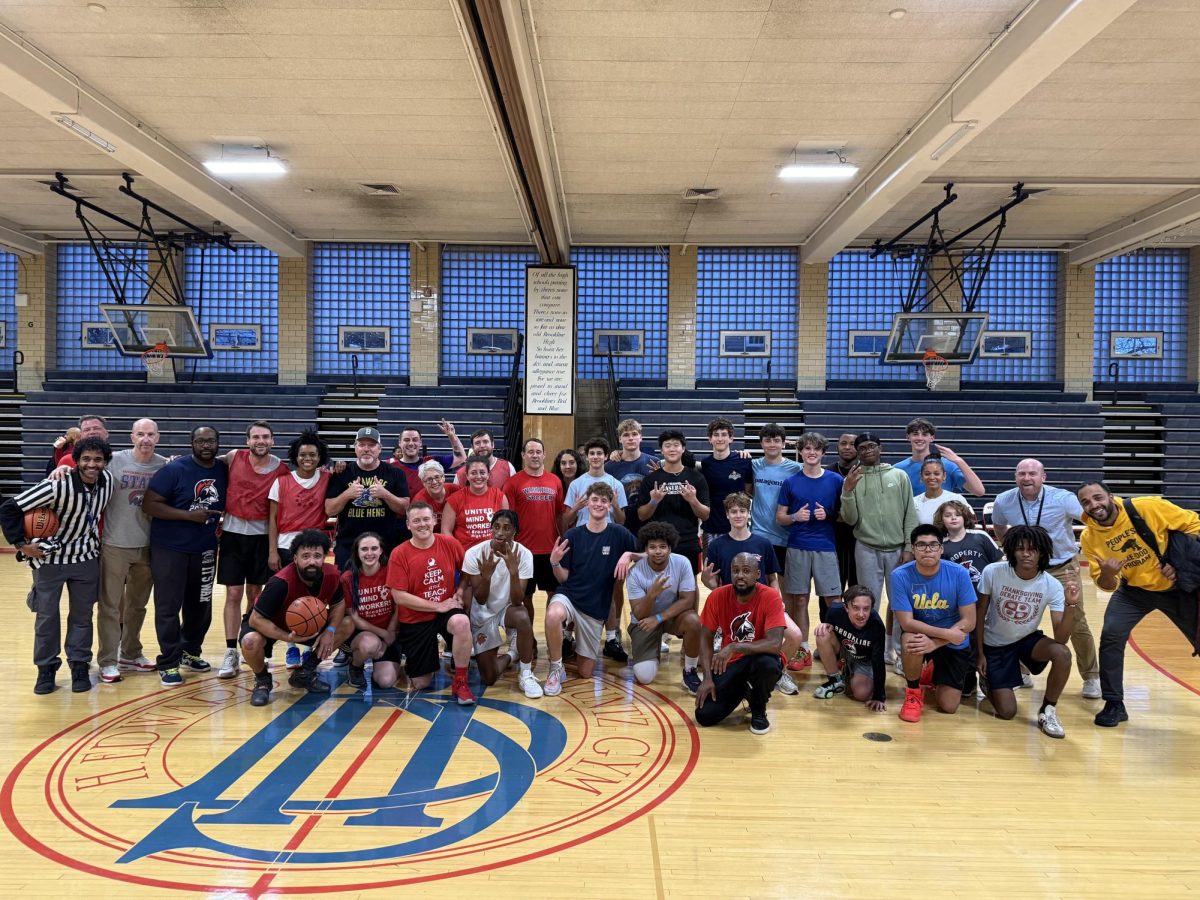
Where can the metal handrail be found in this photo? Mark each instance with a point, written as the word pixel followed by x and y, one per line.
pixel 612 405
pixel 514 407
pixel 354 372
pixel 1114 372
pixel 767 380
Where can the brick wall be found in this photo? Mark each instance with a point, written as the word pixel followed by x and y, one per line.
pixel 425 314
pixel 1076 326
pixel 295 319
pixel 681 319
pixel 813 325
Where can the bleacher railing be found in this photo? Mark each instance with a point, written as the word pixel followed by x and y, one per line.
pixel 612 404
pixel 514 409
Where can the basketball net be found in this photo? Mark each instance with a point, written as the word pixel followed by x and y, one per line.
pixel 936 368
pixel 155 359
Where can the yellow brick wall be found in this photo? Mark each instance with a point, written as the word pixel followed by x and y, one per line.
pixel 681 318
pixel 813 323
pixel 425 314
pixel 1076 326
pixel 35 337
pixel 295 318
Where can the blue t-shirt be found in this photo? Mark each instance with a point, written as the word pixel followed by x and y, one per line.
pixel 768 481
pixel 912 468
pixel 724 476
pixel 185 484
pixel 591 559
pixel 625 470
pixel 722 549
pixel 799 491
pixel 935 600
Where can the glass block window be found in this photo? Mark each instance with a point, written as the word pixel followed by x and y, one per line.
pixel 1019 294
pixel 82 287
pixel 234 288
pixel 1136 293
pixel 8 306
pixel 740 290
pixel 482 287
pixel 622 289
pixel 864 296
pixel 360 284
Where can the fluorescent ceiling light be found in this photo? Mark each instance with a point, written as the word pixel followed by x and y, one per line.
pixel 264 165
pixel 818 172
pixel 962 131
pixel 85 133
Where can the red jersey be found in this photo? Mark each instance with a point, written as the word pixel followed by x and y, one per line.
pixel 429 574
pixel 373 600
pixel 473 515
pixel 498 474
pixel 246 497
pixel 422 495
pixel 736 622
pixel 286 585
pixel 300 507
pixel 537 503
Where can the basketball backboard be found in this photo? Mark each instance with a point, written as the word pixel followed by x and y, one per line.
pixel 954 336
pixel 137 327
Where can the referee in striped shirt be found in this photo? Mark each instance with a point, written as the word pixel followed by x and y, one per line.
pixel 70 558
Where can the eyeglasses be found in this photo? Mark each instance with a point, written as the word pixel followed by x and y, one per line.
pixel 926 545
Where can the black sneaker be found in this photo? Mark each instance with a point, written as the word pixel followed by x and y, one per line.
pixel 568 647
pixel 1112 715
pixel 80 679
pixel 355 677
pixel 262 691
pixel 341 659
pixel 759 723
pixel 195 663
pixel 614 651
pixel 45 680
pixel 310 679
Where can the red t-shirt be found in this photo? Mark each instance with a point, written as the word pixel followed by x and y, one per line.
pixel 373 601
pixel 429 574
pixel 501 470
pixel 537 503
pixel 737 622
pixel 423 496
pixel 473 514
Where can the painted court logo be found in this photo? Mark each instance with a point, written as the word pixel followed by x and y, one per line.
pixel 195 790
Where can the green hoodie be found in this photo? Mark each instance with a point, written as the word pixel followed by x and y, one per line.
pixel 881 508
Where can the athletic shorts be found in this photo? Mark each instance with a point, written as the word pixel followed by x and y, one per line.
pixel 486 621
pixel 647 645
pixel 589 632
pixel 856 665
pixel 390 654
pixel 242 559
pixel 1004 663
pixel 807 566
pixel 952 667
pixel 543 576
pixel 780 559
pixel 691 551
pixel 418 643
pixel 269 646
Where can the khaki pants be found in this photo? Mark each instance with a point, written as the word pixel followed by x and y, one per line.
pixel 1081 635
pixel 124 592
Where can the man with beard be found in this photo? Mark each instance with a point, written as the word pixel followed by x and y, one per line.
pixel 410 454
pixel 367 496
pixel 308 575
pixel 1133 572
pixel 185 499
pixel 847 458
pixel 499 470
pixel 748 621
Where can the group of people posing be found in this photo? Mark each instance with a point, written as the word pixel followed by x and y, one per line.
pixel 420 555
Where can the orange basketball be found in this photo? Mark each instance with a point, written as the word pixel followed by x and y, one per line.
pixel 40 523
pixel 306 616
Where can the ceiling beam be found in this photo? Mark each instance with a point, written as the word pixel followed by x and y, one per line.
pixel 12 237
pixel 1137 230
pixel 43 86
pixel 1044 36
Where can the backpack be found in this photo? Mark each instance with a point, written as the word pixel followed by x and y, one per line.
pixel 1183 555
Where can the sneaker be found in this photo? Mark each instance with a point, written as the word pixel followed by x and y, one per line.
pixel 170 678
pixel 262 691
pixel 691 680
pixel 785 685
pixel 462 693
pixel 831 688
pixel 513 653
pixel 528 682
pixel 801 661
pixel 1112 715
pixel 614 651
pixel 759 723
pixel 309 679
pixel 927 674
pixel 1048 722
pixel 195 663
pixel 1091 689
pixel 355 676
pixel 110 674
pixel 292 659
pixel 568 647
pixel 664 647
pixel 889 656
pixel 45 680
pixel 1026 681
pixel 81 680
pixel 898 665
pixel 914 702
pixel 341 659
pixel 554 680
pixel 230 664
pixel 140 664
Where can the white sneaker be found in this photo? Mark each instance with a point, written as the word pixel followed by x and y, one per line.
pixel 1026 680
pixel 1091 689
pixel 786 685
pixel 141 664
pixel 554 680
pixel 230 664
pixel 665 647
pixel 898 668
pixel 513 653
pixel 528 682
pixel 890 657
pixel 1048 722
pixel 110 674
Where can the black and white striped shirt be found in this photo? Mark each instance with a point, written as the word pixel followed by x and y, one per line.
pixel 79 507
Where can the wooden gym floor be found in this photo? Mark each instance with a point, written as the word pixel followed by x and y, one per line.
pixel 605 791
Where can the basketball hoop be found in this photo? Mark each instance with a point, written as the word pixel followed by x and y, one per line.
pixel 155 359
pixel 936 368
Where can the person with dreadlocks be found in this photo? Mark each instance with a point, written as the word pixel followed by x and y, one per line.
pixel 1013 594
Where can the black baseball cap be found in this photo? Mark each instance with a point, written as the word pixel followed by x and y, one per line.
pixel 867 437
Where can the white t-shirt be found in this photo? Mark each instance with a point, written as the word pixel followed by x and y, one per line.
pixel 1016 605
pixel 642 577
pixel 927 506
pixel 286 538
pixel 498 599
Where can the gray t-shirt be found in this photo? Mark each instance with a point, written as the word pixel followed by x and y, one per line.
pixel 125 525
pixel 642 577
pixel 1016 605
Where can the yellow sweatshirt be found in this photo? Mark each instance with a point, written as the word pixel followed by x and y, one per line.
pixel 1119 540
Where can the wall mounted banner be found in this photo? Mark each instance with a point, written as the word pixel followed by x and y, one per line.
pixel 549 340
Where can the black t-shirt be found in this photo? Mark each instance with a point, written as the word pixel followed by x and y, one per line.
pixel 673 509
pixel 975 551
pixel 861 645
pixel 366 514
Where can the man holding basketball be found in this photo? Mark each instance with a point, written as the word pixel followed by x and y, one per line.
pixel 69 558
pixel 308 575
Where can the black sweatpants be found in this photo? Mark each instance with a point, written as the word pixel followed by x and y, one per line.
pixel 749 678
pixel 1128 606
pixel 183 588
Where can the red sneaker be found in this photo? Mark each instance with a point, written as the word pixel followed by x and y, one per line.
pixel 462 693
pixel 927 673
pixel 914 702
pixel 801 661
